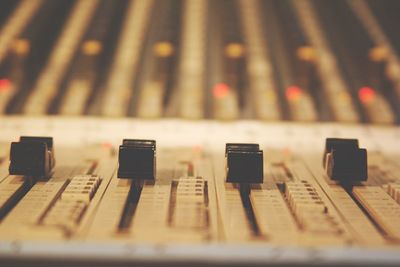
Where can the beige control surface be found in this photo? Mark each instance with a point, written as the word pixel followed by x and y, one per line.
pixel 296 210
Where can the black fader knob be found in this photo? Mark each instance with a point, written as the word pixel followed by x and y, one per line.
pixel 49 143
pixel 337 143
pixel 244 163
pixel 137 159
pixel 345 161
pixel 32 156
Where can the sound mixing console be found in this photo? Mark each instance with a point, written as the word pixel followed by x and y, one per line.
pixel 193 204
pixel 226 60
pixel 176 132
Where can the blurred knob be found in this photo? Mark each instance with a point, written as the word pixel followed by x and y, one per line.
pixel 344 161
pixel 32 156
pixel 137 159
pixel 244 163
pixel 331 143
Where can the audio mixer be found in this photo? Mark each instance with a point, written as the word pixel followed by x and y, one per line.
pixel 174 191
pixel 226 60
pixel 176 132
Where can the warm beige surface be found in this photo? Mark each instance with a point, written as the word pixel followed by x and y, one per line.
pixel 190 202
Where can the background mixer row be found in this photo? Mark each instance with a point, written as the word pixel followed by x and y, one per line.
pixel 271 60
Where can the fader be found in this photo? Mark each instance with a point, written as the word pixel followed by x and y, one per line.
pixel 344 161
pixel 244 163
pixel 32 156
pixel 261 195
pixel 137 159
pixel 240 96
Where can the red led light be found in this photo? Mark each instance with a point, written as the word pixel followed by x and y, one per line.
pixel 198 148
pixel 286 151
pixel 107 145
pixel 366 94
pixel 5 84
pixel 293 93
pixel 220 90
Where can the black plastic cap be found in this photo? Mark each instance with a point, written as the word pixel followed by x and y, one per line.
pixel 338 143
pixel 241 147
pixel 137 159
pixel 29 159
pixel 244 163
pixel 348 165
pixel 140 143
pixel 41 139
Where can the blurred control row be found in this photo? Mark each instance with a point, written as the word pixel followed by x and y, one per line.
pixel 231 59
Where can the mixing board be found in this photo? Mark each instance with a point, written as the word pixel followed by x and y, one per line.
pixel 186 198
pixel 226 60
pixel 176 132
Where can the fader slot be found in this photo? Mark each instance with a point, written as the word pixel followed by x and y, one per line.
pixel 136 165
pixel 6 9
pixel 166 210
pixel 352 59
pixel 189 98
pixel 377 34
pixel 30 209
pixel 40 197
pixel 48 21
pixel 131 203
pixel 377 56
pixel 47 85
pixel 358 223
pixel 21 16
pixel 244 191
pixel 14 74
pixel 260 72
pixel 174 209
pixel 116 97
pixel 108 215
pixel 233 213
pixel 227 67
pixel 381 207
pixel 335 87
pixel 386 13
pixel 13 189
pixel 3 172
pixel 14 50
pixel 151 215
pixel 89 62
pixel 302 59
pixel 274 218
pixel 159 63
pixel 299 104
